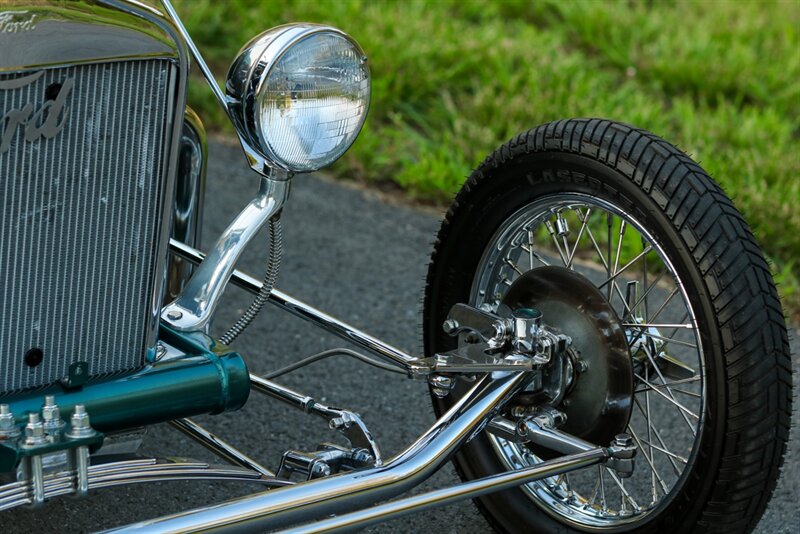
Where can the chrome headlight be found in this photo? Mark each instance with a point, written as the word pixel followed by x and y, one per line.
pixel 299 95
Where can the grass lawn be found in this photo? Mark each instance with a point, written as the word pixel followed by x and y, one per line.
pixel 454 79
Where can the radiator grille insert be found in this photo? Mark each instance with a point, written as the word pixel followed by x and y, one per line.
pixel 79 217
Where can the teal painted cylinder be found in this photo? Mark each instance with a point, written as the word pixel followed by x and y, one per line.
pixel 173 389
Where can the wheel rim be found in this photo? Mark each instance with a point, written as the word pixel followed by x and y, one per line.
pixel 644 288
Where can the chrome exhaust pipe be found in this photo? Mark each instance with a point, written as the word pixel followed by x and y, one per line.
pixel 358 489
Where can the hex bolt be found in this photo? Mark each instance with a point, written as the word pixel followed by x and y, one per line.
pixel 320 469
pixel 174 315
pixel 81 428
pixel 34 431
pixel 53 424
pixel 623 440
pixel 8 427
pixel 450 326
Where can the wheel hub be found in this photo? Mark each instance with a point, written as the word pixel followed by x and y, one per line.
pixel 595 387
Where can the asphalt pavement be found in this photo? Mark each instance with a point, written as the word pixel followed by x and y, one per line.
pixel 352 254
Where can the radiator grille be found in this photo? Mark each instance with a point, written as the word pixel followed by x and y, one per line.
pixel 79 219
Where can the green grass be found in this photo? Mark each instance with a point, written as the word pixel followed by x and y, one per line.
pixel 454 79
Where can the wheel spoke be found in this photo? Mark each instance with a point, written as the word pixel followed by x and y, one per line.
pixel 532 254
pixel 670 399
pixel 654 472
pixel 625 267
pixel 657 434
pixel 584 226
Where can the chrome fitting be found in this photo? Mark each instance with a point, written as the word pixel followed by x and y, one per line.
pixel 441 385
pixel 34 432
pixel 192 310
pixel 79 424
pixel 51 416
pixel 622 452
pixel 8 427
pixel 526 323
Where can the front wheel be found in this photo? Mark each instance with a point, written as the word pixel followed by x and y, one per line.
pixel 626 245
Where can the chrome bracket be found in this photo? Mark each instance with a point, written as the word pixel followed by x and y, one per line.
pixel 327 460
pixel 193 308
pixel 348 423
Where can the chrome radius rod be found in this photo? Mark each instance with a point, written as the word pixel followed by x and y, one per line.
pixel 469 490
pixel 218 446
pixel 304 311
pixel 353 490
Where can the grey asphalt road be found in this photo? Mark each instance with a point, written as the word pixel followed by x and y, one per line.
pixel 359 258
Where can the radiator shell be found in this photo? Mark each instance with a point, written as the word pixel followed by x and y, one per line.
pixel 85 212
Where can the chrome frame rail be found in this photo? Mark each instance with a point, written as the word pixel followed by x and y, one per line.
pixel 443 497
pixel 357 489
pixel 309 313
pixel 130 472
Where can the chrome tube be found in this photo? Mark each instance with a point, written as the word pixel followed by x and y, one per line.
pixel 194 307
pixel 443 497
pixel 218 446
pixel 309 313
pixel 357 489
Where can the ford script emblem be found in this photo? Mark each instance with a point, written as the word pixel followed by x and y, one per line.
pixel 45 120
pixel 16 22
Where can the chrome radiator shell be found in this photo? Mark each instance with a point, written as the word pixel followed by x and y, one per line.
pixel 85 210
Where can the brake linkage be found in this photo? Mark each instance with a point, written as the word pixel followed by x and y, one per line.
pixel 491 343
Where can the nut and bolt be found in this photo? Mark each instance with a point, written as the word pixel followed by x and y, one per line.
pixel 320 469
pixel 623 440
pixel 80 427
pixel 34 431
pixel 441 385
pixel 450 326
pixel 174 315
pixel 8 427
pixel 53 424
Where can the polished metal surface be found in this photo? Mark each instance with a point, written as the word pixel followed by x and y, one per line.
pixel 80 216
pixel 52 33
pixel 195 306
pixel 246 77
pixel 344 492
pixel 190 185
pixel 129 472
pixel 219 446
pixel 309 313
pixel 443 497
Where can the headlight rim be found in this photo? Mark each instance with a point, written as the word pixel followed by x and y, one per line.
pixel 250 71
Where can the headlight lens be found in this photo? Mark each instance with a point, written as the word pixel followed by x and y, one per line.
pixel 302 94
pixel 314 101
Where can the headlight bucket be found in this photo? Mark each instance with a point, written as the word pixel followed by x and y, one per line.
pixel 299 95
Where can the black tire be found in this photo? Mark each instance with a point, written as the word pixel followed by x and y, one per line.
pixel 729 284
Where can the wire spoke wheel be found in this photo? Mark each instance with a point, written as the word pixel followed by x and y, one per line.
pixel 610 249
pixel 628 247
